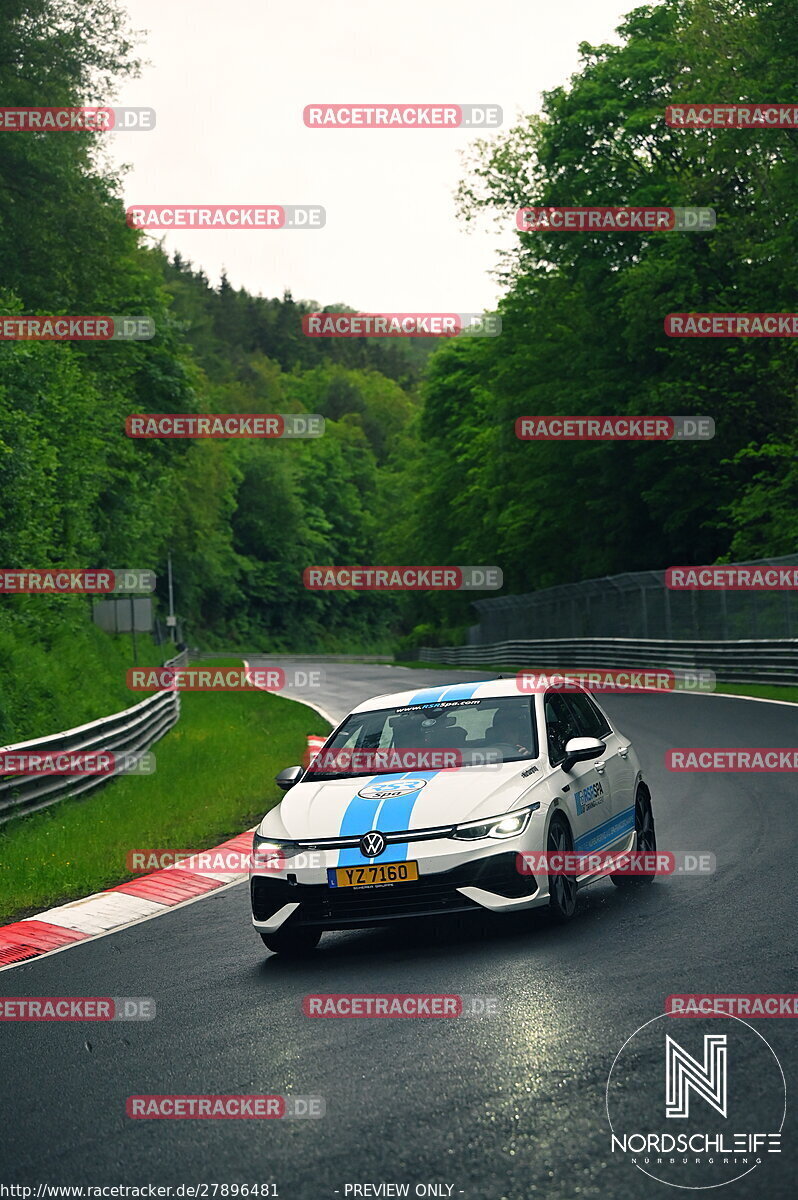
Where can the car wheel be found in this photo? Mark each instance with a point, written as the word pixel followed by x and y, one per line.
pixel 645 839
pixel 293 943
pixel 562 888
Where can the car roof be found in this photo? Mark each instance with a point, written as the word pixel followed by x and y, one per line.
pixel 477 690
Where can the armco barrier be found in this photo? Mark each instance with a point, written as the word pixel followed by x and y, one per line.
pixel 128 732
pixel 752 661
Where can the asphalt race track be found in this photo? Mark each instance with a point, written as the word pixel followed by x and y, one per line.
pixel 507 1106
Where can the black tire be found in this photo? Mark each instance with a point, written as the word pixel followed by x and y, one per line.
pixel 562 888
pixel 292 943
pixel 645 839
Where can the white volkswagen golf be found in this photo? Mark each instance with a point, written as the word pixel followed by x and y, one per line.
pixel 437 801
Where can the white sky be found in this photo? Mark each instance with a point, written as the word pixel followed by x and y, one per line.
pixel 229 81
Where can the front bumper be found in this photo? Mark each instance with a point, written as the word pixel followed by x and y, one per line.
pixel 492 882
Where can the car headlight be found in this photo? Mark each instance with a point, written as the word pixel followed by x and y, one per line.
pixel 507 826
pixel 271 852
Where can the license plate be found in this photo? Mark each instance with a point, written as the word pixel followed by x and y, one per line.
pixel 372 875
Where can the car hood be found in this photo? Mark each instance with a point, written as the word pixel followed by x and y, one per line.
pixel 394 803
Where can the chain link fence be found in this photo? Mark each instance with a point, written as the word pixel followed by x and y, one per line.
pixel 639 605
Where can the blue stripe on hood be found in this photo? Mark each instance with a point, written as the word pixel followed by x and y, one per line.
pixel 390 815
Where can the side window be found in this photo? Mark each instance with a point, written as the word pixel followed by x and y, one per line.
pixel 560 726
pixel 589 719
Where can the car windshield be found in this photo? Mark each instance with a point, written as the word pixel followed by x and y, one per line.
pixel 436 736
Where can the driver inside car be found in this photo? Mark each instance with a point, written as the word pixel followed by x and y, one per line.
pixel 510 729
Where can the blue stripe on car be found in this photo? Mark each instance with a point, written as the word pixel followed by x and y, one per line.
pixel 446 691
pixel 395 816
pixel 462 691
pixel 389 815
pixel 360 812
pixel 608 831
pixel 429 695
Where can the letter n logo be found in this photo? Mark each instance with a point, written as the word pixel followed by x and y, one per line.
pixel 707 1079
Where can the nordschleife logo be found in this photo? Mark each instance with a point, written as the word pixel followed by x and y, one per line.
pixel 698 1111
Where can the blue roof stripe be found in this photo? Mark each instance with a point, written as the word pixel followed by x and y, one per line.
pixel 429 695
pixel 462 691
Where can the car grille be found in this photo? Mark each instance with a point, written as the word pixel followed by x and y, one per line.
pixel 342 907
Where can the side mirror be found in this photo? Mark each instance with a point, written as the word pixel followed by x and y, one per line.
pixel 580 749
pixel 287 777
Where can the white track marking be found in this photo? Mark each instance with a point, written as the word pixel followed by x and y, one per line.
pixel 99 913
pixel 163 910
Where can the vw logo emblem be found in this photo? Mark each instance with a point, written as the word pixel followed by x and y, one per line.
pixel 372 844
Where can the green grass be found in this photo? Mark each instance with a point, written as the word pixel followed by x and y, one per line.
pixel 757 690
pixel 55 680
pixel 214 778
pixel 764 691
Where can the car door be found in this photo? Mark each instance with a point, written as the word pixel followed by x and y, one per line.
pixel 593 724
pixel 618 770
pixel 585 791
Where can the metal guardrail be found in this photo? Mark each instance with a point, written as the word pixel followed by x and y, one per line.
pixel 750 661
pixel 131 731
pixel 322 656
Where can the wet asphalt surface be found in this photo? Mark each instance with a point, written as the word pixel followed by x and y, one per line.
pixel 510 1105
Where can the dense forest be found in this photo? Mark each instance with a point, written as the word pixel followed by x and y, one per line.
pixel 419 463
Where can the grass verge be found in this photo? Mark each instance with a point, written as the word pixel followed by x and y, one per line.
pixel 761 691
pixel 214 778
pixel 56 678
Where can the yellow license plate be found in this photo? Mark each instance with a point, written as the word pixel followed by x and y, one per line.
pixel 372 875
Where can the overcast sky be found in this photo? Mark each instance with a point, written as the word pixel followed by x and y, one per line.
pixel 229 81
